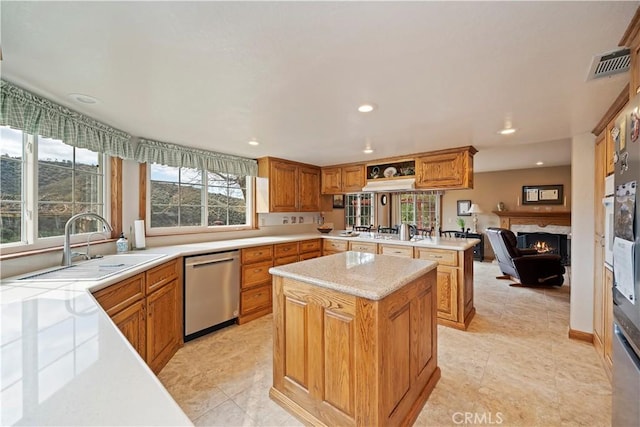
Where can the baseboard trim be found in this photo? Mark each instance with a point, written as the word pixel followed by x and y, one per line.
pixel 581 336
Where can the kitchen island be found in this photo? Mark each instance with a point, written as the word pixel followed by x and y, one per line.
pixel 355 339
pixel 455 304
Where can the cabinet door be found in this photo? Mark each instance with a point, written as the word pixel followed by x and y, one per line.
pixel 352 178
pixel 447 170
pixel 395 250
pixel 447 294
pixel 283 188
pixel 309 189
pixel 131 322
pixel 163 332
pixel 331 180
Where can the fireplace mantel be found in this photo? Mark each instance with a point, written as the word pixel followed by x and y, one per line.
pixel 539 218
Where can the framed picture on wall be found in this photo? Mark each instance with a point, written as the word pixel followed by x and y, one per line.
pixel 463 207
pixel 338 201
pixel 542 194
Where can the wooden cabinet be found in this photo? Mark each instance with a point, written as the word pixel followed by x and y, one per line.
pixel 449 169
pixel 395 250
pixel 344 179
pixel 333 246
pixel 353 178
pixel 293 187
pixel 310 249
pixel 341 360
pixel 455 285
pixel 255 280
pixel 371 248
pixel 309 189
pixel 147 308
pixel 131 322
pixel 631 39
pixel 163 331
pixel 331 180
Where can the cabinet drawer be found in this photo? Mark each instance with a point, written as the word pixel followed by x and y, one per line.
pixel 119 296
pixel 259 253
pixel 310 245
pixel 335 245
pixel 309 255
pixel 370 248
pixel 254 299
pixel 286 260
pixel 161 275
pixel 255 274
pixel 401 251
pixel 443 256
pixel 286 249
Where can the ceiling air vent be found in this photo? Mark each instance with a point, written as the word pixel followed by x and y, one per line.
pixel 610 63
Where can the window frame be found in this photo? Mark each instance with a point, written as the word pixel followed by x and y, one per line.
pixel 30 242
pixel 357 218
pixel 145 211
pixel 437 209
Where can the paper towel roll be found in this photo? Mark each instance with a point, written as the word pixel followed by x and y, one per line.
pixel 138 227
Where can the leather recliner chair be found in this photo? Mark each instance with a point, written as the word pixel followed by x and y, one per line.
pixel 524 265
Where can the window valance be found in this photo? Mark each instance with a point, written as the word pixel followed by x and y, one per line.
pixel 179 156
pixel 33 114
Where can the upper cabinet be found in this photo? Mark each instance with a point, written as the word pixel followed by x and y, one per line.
pixel 631 39
pixel 345 179
pixel 292 187
pixel 447 169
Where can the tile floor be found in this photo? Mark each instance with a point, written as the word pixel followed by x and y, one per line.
pixel 513 366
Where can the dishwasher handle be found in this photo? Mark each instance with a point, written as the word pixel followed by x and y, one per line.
pixel 217 261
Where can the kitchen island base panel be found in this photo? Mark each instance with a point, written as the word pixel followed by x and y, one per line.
pixel 346 360
pixel 457 325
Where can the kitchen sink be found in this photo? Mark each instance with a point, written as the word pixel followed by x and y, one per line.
pixel 94 269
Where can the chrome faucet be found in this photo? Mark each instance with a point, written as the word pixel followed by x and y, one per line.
pixel 88 253
pixel 66 252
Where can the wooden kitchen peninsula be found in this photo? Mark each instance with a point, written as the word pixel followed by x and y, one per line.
pixel 355 339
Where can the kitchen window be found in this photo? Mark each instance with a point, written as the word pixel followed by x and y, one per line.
pixel 358 209
pixel 43 183
pixel 189 198
pixel 420 209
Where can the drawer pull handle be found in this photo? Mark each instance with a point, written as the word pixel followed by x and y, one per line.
pixel 437 256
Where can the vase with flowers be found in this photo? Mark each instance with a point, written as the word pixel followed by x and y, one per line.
pixel 461 223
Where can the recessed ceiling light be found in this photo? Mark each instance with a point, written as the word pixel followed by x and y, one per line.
pixel 366 108
pixel 539 163
pixel 254 142
pixel 368 150
pixel 83 99
pixel 507 131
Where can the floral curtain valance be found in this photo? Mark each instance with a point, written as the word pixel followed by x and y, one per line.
pixel 33 114
pixel 180 156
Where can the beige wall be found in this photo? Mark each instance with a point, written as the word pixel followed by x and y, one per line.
pixel 490 188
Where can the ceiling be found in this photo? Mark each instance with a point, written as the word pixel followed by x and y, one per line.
pixel 291 75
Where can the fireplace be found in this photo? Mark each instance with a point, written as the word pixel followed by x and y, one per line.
pixel 549 243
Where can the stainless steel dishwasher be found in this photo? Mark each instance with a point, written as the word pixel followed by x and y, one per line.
pixel 211 292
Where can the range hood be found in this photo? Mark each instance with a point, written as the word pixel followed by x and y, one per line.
pixel 404 184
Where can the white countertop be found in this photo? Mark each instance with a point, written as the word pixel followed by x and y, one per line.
pixel 357 273
pixel 456 244
pixel 64 362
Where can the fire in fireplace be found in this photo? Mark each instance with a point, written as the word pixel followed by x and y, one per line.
pixel 549 243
